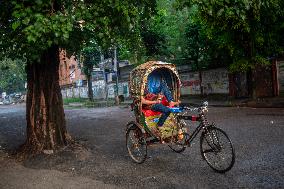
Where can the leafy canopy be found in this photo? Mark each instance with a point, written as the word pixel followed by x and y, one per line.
pixel 12 76
pixel 90 56
pixel 250 30
pixel 29 27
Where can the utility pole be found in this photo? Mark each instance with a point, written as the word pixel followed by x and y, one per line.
pixel 116 72
pixel 105 77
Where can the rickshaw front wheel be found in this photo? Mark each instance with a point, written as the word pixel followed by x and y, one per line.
pixel 136 143
pixel 217 149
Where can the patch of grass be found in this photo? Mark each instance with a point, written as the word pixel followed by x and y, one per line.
pixel 94 104
pixel 86 103
pixel 67 101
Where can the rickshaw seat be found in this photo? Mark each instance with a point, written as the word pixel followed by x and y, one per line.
pixel 148 112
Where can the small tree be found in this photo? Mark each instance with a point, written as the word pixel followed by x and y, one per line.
pixel 91 57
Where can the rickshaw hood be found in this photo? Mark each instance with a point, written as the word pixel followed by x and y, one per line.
pixel 139 75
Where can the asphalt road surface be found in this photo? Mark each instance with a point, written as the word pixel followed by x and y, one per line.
pixel 257 135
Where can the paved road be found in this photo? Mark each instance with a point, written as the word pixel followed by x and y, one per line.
pixel 257 135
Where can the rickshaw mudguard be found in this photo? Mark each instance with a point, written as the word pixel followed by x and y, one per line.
pixel 131 123
pixel 143 122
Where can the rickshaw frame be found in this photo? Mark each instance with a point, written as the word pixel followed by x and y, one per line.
pixel 138 81
pixel 209 132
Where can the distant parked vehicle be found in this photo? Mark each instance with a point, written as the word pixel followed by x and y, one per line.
pixel 7 100
pixel 13 98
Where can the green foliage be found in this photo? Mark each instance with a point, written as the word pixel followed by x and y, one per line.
pixel 249 30
pixel 174 29
pixel 90 56
pixel 166 32
pixel 180 37
pixel 30 27
pixel 241 65
pixel 160 37
pixel 131 49
pixel 12 76
pixel 198 45
pixel 200 31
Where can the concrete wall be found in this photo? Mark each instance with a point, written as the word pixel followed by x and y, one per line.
pixel 98 90
pixel 280 76
pixel 123 89
pixel 190 83
pixel 213 81
pixel 75 92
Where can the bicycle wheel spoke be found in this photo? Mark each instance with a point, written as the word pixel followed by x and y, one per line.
pixel 136 145
pixel 217 150
pixel 208 151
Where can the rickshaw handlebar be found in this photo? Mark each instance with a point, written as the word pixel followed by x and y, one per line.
pixel 201 108
pixel 182 115
pixel 189 108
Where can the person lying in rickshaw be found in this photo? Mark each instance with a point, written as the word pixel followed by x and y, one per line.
pixel 155 90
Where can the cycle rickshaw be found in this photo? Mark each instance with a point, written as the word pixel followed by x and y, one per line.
pixel 215 146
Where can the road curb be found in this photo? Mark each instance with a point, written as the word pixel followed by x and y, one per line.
pixel 250 104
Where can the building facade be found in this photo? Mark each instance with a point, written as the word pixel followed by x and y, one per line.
pixel 70 73
pixel 269 80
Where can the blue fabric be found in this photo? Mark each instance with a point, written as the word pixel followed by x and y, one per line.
pixel 176 109
pixel 156 84
pixel 165 113
pixel 165 91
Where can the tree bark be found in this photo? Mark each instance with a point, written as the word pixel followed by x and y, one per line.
pixel 46 125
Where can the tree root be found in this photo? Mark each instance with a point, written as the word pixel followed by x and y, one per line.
pixel 29 150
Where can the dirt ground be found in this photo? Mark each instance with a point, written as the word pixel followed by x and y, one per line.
pixel 38 172
pixel 19 176
pixel 99 158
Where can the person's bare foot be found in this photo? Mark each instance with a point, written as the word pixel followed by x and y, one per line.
pixel 172 103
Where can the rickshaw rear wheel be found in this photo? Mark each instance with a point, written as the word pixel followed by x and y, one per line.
pixel 136 143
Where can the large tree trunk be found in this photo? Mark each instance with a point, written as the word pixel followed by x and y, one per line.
pixel 46 126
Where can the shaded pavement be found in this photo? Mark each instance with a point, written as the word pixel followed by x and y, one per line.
pixel 224 101
pixel 103 162
pixel 221 101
